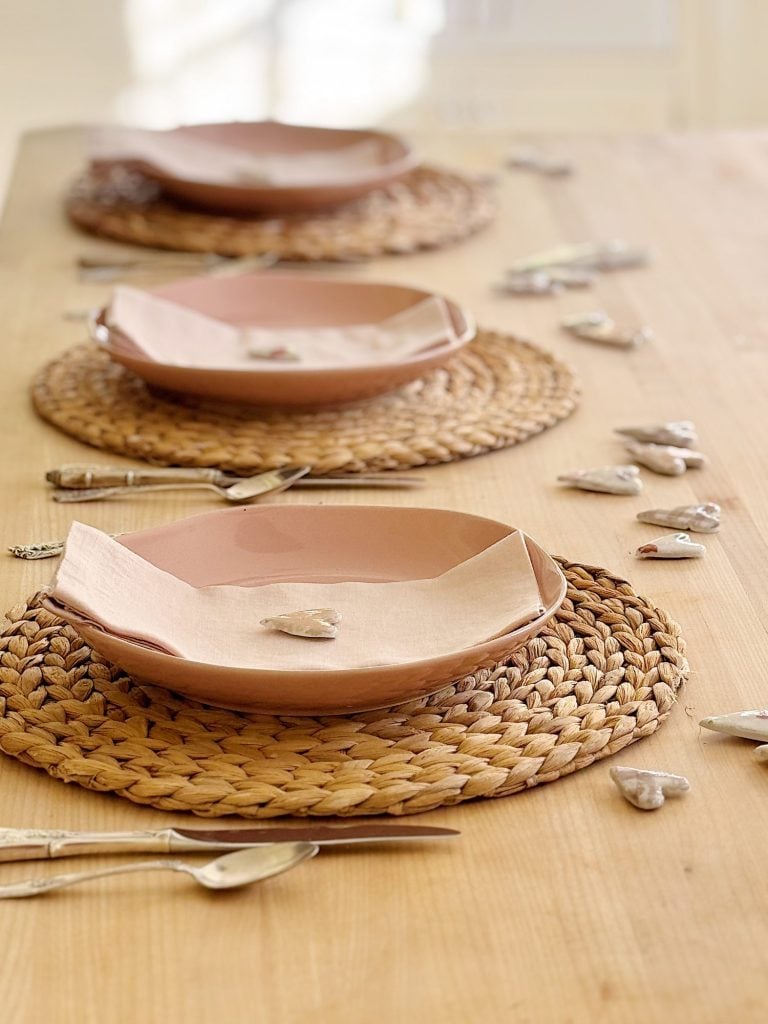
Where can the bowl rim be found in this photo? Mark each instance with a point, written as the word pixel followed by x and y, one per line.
pixel 398 165
pixel 110 338
pixel 84 626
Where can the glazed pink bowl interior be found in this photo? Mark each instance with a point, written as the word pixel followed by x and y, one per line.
pixel 272 299
pixel 251 546
pixel 393 158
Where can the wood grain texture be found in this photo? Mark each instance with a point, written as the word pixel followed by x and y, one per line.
pixel 559 905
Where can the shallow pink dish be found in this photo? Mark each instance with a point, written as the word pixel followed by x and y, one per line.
pixel 393 158
pixel 272 299
pixel 255 545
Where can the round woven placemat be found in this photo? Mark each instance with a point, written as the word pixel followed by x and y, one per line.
pixel 428 207
pixel 496 392
pixel 601 675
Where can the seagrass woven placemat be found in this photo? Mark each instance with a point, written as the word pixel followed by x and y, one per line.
pixel 495 392
pixel 601 675
pixel 429 207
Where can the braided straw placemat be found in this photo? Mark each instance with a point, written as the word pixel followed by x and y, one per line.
pixel 429 207
pixel 495 392
pixel 601 675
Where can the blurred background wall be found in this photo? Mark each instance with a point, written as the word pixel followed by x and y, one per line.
pixel 514 66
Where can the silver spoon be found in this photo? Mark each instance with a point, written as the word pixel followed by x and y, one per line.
pixel 228 872
pixel 271 482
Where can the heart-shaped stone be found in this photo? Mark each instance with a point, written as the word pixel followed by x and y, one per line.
pixel 671 545
pixel 314 623
pixel 648 790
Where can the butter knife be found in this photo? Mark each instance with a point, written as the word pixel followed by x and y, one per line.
pixel 46 844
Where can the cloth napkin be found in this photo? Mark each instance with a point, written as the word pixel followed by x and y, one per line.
pixel 180 154
pixel 176 335
pixel 381 623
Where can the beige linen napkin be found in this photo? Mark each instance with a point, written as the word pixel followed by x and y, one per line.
pixel 185 155
pixel 176 335
pixel 381 623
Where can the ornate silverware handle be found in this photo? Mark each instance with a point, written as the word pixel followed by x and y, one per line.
pixel 81 477
pixel 37 886
pixel 45 844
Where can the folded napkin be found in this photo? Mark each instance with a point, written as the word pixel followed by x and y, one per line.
pixel 184 155
pixel 176 335
pixel 381 623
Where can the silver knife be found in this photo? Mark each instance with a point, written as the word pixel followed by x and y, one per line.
pixel 46 844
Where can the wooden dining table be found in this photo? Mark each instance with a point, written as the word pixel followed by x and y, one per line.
pixel 562 904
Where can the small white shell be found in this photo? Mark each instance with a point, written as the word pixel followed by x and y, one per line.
pixel 665 458
pixel 274 354
pixel 311 622
pixel 605 479
pixel 647 790
pixel 657 457
pixel 750 725
pixel 678 432
pixel 671 545
pixel 533 282
pixel 572 277
pixel 699 518
pixel 761 753
pixel 598 326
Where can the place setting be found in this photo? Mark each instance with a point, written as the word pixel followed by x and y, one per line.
pixel 276 660
pixel 290 192
pixel 266 370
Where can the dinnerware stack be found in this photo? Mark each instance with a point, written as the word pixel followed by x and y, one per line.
pixel 274 339
pixel 420 597
pixel 284 191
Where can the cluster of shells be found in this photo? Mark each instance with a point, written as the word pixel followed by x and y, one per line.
pixel 573 266
pixel 667 449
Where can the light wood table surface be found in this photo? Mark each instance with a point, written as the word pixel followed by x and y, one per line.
pixel 560 905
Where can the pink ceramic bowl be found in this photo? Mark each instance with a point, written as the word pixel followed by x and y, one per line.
pixel 393 159
pixel 272 299
pixel 255 545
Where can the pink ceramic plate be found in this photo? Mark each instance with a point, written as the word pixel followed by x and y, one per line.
pixel 392 158
pixel 268 299
pixel 272 543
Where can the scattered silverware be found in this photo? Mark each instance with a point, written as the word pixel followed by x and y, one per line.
pixel 646 789
pixel 230 871
pixel 241 492
pixel 598 326
pixel 665 458
pixel 88 475
pixel 314 623
pixel 671 545
pixel 272 482
pixel 107 268
pixel 681 433
pixel 612 255
pixel 605 479
pixel 530 158
pixel 111 268
pixel 698 518
pixel 46 844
